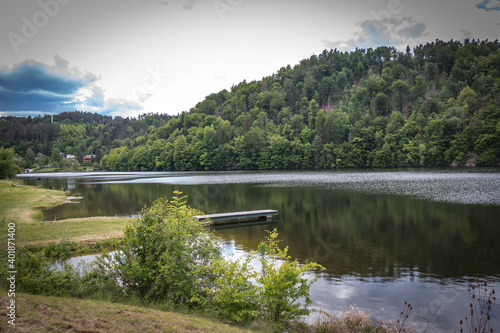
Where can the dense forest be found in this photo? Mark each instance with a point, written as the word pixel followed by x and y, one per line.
pixel 438 105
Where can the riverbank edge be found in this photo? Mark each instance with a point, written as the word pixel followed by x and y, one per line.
pixel 23 205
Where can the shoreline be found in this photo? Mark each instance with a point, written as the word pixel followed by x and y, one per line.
pixel 24 205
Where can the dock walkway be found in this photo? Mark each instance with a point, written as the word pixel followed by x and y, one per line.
pixel 252 214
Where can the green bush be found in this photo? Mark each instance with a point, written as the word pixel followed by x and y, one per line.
pixel 231 295
pixel 283 283
pixel 37 275
pixel 165 252
pixel 60 251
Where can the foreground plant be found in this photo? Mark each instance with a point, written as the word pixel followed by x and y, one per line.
pixel 284 285
pixel 482 299
pixel 164 253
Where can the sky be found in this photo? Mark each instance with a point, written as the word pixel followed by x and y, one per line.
pixel 130 57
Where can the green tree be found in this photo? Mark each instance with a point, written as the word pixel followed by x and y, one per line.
pixel 76 166
pixel 381 104
pixel 56 155
pixel 8 167
pixel 29 158
pixel 41 159
pixel 401 91
pixel 383 157
pixel 248 148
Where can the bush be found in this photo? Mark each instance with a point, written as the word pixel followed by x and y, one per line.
pixel 231 295
pixel 38 276
pixel 165 252
pixel 60 251
pixel 283 282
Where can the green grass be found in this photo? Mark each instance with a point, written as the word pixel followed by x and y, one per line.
pixel 80 230
pixel 58 314
pixel 23 205
pixel 46 170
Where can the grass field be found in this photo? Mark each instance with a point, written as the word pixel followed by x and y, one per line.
pixel 23 205
pixel 57 314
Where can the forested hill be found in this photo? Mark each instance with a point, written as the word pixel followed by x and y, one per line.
pixel 437 105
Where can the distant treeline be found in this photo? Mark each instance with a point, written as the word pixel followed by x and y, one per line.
pixel 436 106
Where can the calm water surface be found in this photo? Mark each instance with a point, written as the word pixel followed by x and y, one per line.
pixel 385 237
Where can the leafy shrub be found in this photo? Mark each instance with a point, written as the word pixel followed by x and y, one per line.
pixel 283 282
pixel 231 295
pixel 37 275
pixel 164 253
pixel 167 255
pixel 60 251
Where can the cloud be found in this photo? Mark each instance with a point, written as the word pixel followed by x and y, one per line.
pixel 188 4
pixel 466 34
pixel 97 97
pixel 385 32
pixel 220 77
pixel 32 76
pixel 120 107
pixel 413 31
pixel 32 87
pixel 487 7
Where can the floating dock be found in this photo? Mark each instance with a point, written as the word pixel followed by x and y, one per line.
pixel 252 216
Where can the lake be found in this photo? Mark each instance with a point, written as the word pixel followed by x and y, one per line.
pixel 384 236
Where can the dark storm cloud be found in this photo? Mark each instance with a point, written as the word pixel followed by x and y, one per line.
pixel 34 76
pixel 33 86
pixel 30 101
pixel 489 7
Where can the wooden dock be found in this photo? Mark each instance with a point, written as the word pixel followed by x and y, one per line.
pixel 253 215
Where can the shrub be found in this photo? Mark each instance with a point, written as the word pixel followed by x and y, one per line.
pixel 231 295
pixel 283 282
pixel 164 253
pixel 37 275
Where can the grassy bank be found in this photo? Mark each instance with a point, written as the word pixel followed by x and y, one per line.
pixel 58 314
pixel 23 205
